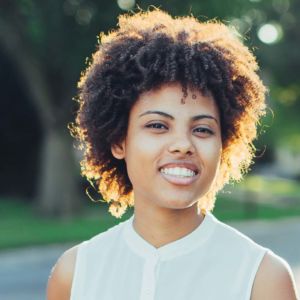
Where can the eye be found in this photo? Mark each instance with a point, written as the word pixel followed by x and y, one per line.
pixel 204 131
pixel 156 126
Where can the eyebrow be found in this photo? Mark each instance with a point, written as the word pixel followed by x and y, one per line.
pixel 194 118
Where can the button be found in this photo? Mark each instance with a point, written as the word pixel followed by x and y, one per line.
pixel 148 278
pixel 154 259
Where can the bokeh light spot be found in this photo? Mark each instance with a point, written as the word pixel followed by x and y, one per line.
pixel 270 33
pixel 126 4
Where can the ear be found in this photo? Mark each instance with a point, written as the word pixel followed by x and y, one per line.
pixel 118 150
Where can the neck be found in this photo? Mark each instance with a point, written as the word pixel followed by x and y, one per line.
pixel 161 226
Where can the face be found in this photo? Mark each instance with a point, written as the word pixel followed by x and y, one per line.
pixel 172 149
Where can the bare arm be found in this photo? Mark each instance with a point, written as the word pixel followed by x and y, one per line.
pixel 274 280
pixel 61 277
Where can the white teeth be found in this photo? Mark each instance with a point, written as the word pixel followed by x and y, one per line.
pixel 182 172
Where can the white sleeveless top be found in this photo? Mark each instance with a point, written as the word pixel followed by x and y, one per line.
pixel 213 262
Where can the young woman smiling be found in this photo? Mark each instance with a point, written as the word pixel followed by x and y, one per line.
pixel 168 113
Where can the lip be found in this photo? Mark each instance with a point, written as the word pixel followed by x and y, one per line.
pixel 181 164
pixel 180 180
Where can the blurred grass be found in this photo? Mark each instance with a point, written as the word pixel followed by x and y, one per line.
pixel 21 226
pixel 274 186
pixel 228 209
pixel 260 197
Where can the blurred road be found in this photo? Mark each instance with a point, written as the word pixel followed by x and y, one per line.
pixel 24 272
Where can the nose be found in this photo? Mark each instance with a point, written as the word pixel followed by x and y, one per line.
pixel 182 144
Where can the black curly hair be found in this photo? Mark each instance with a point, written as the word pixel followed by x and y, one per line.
pixel 147 50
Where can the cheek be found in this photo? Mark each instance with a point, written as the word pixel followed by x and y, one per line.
pixel 141 154
pixel 146 146
pixel 211 153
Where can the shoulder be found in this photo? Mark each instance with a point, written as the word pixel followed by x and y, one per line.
pixel 235 240
pixel 61 277
pixel 274 280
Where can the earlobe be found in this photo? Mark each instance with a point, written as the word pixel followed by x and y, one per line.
pixel 118 151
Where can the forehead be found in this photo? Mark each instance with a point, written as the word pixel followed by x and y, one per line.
pixel 170 98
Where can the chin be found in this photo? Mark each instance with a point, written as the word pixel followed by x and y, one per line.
pixel 178 204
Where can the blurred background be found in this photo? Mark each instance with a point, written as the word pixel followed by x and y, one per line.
pixel 43 48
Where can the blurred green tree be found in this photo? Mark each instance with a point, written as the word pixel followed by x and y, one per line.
pixel 47 41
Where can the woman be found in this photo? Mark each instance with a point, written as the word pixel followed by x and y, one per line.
pixel 168 113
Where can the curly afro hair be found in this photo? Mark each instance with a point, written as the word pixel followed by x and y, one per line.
pixel 147 50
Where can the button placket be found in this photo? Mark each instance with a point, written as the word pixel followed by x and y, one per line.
pixel 149 278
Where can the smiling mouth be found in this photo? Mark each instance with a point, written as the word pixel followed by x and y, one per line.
pixel 179 172
pixel 181 178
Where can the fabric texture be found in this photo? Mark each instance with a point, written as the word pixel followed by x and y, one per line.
pixel 215 261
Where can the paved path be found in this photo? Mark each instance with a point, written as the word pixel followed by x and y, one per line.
pixel 24 272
